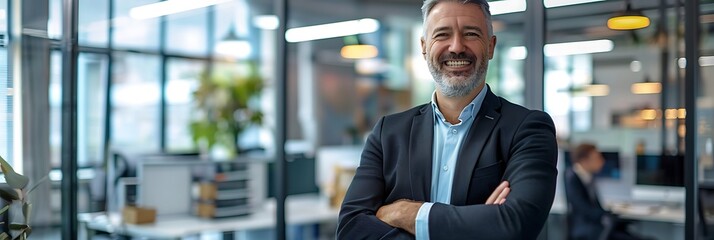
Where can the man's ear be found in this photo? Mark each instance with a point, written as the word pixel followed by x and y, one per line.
pixel 423 47
pixel 492 48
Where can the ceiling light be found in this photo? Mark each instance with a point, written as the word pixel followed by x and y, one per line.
pixel 354 49
pixel 360 51
pixel 564 49
pixel 517 53
pixel 267 22
pixel 646 87
pixel 574 48
pixel 507 6
pixel 170 7
pixel 636 66
pixel 628 20
pixel 648 114
pixel 233 46
pixel 562 3
pixel 596 90
pixel 331 30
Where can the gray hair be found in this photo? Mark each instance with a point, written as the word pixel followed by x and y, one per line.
pixel 429 4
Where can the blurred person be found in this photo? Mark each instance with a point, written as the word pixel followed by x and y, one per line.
pixel 588 220
pixel 467 165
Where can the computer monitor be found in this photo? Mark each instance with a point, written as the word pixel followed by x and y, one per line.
pixel 660 170
pixel 611 168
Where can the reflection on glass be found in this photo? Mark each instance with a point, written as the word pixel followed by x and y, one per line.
pixel 135 102
pixel 93 22
pixel 183 79
pixel 133 33
pixel 186 32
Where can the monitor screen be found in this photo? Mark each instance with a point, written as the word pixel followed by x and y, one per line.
pixel 660 170
pixel 611 168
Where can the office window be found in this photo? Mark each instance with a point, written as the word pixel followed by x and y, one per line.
pixel 93 29
pixel 6 107
pixel 6 91
pixel 135 102
pixel 91 98
pixel 134 33
pixel 54 21
pixel 569 107
pixel 182 81
pixel 705 103
pixel 92 80
pixel 187 32
pixel 55 109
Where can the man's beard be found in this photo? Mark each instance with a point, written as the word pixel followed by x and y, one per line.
pixel 451 87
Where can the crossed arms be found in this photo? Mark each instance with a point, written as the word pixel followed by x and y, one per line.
pixel 372 208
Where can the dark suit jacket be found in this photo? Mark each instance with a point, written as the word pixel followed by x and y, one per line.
pixel 585 217
pixel 505 142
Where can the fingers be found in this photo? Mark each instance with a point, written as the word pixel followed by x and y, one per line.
pixel 502 197
pixel 497 196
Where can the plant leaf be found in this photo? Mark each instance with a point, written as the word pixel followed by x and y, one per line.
pixel 13 179
pixel 8 194
pixel 36 184
pixel 26 209
pixel 4 236
pixel 4 209
pixel 17 226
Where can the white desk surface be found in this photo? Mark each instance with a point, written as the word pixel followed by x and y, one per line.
pixel 649 212
pixel 300 209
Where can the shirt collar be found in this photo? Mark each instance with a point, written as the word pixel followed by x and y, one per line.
pixel 469 111
pixel 585 176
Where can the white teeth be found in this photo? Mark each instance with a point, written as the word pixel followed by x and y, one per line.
pixel 457 63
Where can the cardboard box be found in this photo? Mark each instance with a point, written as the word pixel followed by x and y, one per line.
pixel 207 191
pixel 138 215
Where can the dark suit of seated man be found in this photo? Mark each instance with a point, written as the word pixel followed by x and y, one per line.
pixel 468 165
pixel 588 220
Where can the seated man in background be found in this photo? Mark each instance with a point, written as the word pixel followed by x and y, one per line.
pixel 588 220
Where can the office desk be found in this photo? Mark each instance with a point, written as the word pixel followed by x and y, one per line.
pixel 632 211
pixel 300 209
pixel 648 212
pixel 660 221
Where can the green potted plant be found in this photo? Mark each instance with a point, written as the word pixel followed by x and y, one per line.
pixel 227 103
pixel 16 193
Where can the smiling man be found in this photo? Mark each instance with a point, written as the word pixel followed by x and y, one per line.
pixel 467 165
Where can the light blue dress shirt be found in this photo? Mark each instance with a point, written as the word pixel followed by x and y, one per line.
pixel 448 139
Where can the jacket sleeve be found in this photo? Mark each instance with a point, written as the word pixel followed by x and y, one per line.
pixel 365 195
pixel 531 172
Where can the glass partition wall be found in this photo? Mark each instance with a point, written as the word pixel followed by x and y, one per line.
pixel 137 77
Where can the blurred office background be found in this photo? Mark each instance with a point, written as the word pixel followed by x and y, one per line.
pixel 141 71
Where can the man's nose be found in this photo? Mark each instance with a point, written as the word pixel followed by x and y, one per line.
pixel 457 45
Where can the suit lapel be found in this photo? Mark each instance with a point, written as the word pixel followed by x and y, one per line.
pixel 421 142
pixel 473 145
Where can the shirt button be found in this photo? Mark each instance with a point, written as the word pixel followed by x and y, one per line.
pixel 445 168
pixel 453 131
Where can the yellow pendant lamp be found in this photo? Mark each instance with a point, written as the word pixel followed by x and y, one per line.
pixel 628 20
pixel 353 49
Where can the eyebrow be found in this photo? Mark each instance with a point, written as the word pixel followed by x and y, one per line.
pixel 447 28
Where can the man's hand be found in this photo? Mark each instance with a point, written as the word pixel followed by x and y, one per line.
pixel 499 195
pixel 400 214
